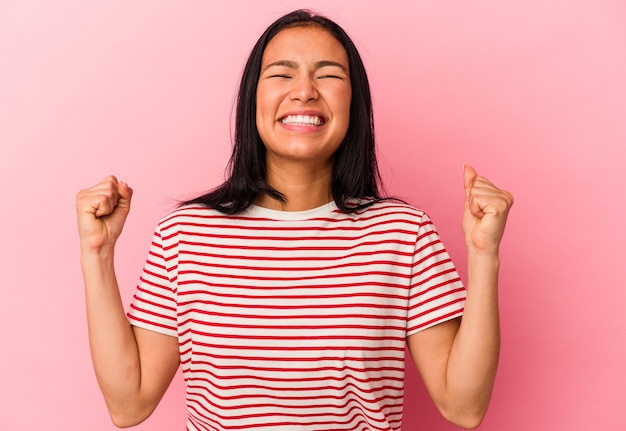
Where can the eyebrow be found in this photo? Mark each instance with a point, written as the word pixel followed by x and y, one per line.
pixel 318 65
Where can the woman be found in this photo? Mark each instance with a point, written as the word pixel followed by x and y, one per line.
pixel 288 294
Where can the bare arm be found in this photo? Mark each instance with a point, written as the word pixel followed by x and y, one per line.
pixel 458 359
pixel 133 366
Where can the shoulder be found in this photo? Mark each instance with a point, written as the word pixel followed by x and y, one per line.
pixel 191 215
pixel 394 208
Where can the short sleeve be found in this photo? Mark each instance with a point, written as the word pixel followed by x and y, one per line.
pixel 154 304
pixel 436 291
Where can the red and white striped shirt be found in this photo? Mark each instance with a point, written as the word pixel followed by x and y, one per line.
pixel 295 320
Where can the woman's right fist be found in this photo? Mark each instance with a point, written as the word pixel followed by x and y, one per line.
pixel 101 211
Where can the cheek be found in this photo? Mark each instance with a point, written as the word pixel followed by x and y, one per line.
pixel 265 113
pixel 265 104
pixel 346 99
pixel 262 113
pixel 259 101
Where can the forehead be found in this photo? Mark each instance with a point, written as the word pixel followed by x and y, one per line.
pixel 309 43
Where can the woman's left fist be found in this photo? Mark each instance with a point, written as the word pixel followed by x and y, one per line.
pixel 486 210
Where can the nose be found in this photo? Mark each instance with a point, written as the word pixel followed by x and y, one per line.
pixel 304 89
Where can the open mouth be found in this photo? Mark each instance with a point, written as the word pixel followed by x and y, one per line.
pixel 302 120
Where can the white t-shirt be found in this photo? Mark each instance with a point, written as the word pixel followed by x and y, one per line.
pixel 295 320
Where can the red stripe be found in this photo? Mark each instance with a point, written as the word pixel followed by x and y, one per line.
pixel 205 365
pixel 214 264
pixel 441 318
pixel 321 287
pixel 383 325
pixel 296 247
pixel 310 277
pixel 134 306
pixel 343 358
pixel 316 296
pixel 134 318
pixel 288 258
pixel 300 317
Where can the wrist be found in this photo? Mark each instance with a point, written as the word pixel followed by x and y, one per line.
pixel 90 255
pixel 483 268
pixel 483 260
pixel 491 252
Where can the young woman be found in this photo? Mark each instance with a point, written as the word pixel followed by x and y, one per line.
pixel 288 294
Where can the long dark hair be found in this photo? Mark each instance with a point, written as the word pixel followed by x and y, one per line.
pixel 355 174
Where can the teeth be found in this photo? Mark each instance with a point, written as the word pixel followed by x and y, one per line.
pixel 302 120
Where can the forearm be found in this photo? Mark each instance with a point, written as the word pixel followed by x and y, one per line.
pixel 113 345
pixel 475 351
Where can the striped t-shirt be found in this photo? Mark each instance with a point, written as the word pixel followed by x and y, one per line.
pixel 295 320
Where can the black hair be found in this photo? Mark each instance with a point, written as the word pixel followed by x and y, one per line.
pixel 356 180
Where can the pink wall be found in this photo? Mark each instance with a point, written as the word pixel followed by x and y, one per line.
pixel 533 93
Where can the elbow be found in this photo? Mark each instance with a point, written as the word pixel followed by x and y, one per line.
pixel 125 421
pixel 468 419
pixel 127 418
pixel 469 423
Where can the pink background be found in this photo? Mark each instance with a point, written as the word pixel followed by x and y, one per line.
pixel 532 92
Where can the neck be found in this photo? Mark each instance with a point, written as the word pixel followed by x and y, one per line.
pixel 304 188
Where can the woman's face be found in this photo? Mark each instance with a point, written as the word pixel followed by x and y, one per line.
pixel 303 96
